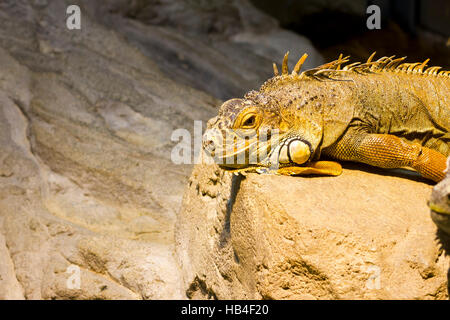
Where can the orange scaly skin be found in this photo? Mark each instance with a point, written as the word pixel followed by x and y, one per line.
pixel 383 113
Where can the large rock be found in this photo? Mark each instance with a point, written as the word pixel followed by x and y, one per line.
pixel 366 234
pixel 87 186
pixel 224 48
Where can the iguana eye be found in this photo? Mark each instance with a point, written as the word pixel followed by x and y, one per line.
pixel 249 119
pixel 249 122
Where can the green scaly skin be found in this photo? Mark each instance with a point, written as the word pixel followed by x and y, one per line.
pixel 379 112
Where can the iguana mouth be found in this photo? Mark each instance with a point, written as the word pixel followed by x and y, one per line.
pixel 291 155
pixel 290 152
pixel 237 149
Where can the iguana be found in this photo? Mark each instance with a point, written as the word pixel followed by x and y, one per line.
pixel 384 113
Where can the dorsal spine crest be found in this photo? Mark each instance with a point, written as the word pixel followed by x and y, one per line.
pixel 383 64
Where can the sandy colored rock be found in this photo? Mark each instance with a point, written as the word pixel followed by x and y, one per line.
pixel 87 185
pixel 9 286
pixel 366 234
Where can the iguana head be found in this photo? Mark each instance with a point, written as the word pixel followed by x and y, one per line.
pixel 281 125
pixel 259 131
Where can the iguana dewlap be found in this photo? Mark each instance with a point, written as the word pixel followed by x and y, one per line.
pixel 384 113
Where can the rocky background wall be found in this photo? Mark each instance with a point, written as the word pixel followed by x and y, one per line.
pixel 88 188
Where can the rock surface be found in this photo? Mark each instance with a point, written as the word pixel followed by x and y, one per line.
pixel 366 234
pixel 87 187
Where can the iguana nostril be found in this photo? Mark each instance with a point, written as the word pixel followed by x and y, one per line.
pixel 208 145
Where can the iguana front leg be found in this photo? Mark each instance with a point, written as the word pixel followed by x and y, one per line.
pixel 388 151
